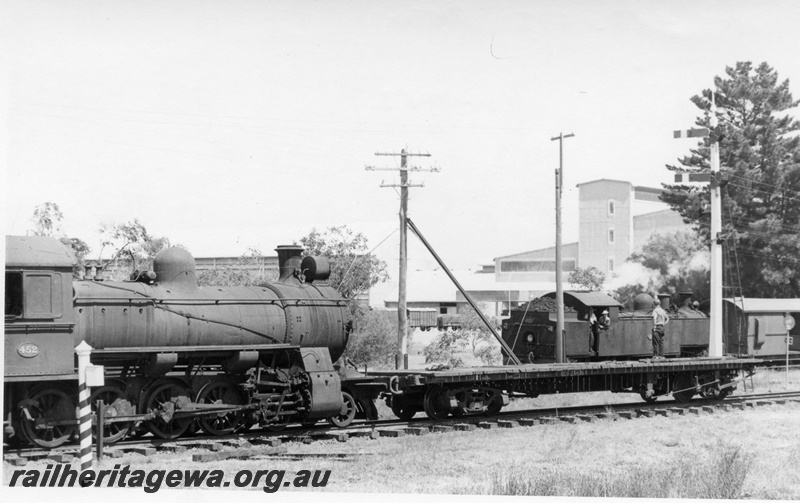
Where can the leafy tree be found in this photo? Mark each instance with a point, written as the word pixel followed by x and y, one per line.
pixel 474 329
pixel 443 348
pixel 353 269
pixel 666 263
pixel 131 241
pixel 47 219
pixel 248 270
pixel 374 340
pixel 761 162
pixel 489 354
pixel 590 279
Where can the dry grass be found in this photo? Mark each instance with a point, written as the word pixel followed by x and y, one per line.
pixel 719 475
pixel 752 453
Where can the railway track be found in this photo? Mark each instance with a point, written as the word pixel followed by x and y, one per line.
pixel 265 443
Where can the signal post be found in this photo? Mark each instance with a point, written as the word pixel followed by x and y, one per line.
pixel 714 177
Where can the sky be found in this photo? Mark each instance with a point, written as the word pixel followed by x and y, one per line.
pixel 246 124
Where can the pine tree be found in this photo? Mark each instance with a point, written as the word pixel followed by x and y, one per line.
pixel 760 164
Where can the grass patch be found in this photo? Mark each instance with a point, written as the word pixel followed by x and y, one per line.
pixel 720 475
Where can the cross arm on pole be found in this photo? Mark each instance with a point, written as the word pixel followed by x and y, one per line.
pixel 405 154
pixel 403 168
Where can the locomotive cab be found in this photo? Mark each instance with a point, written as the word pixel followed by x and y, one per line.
pixel 39 320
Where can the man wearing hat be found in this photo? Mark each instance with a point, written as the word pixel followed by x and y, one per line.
pixel 605 321
pixel 660 318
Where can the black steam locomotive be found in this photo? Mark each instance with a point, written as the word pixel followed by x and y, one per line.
pixel 176 357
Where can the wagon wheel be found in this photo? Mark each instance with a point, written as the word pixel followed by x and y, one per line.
pixel 432 403
pixel 712 392
pixel 50 404
pixel 683 388
pixel 221 392
pixel 115 404
pixel 648 399
pixel 403 408
pixel 347 413
pixel 164 400
pixel 494 406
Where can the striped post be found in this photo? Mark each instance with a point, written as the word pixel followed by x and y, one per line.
pixel 84 407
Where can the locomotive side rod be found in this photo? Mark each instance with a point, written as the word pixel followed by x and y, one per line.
pixel 464 293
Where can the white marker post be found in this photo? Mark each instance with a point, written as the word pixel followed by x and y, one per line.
pixel 84 407
pixel 788 322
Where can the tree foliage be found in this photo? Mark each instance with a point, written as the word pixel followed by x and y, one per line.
pixel 353 269
pixel 130 240
pixel 475 330
pixel 443 349
pixel 761 162
pixel 667 263
pixel 47 219
pixel 589 279
pixel 249 270
pixel 374 340
pixel 489 354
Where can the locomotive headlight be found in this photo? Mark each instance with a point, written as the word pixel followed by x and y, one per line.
pixel 530 337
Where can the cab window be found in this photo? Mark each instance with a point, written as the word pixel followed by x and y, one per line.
pixel 13 294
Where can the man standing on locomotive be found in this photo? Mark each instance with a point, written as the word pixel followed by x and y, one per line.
pixel 660 318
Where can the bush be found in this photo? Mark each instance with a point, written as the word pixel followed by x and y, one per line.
pixel 374 340
pixel 488 354
pixel 442 349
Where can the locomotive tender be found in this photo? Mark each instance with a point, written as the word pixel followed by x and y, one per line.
pixel 176 356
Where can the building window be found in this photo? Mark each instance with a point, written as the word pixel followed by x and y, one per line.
pixel 610 264
pixel 543 265
pixel 610 207
pixel 611 236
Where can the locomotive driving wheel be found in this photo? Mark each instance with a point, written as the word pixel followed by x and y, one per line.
pixel 346 414
pixel 167 396
pixel 48 417
pixel 221 392
pixel 114 404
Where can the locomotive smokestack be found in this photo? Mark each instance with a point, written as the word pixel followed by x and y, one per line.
pixel 288 260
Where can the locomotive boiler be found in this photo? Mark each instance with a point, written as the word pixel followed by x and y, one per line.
pixel 177 357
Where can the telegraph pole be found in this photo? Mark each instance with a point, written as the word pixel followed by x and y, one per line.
pixel 401 359
pixel 559 286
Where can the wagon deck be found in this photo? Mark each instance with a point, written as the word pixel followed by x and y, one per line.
pixel 464 390
pixel 556 370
